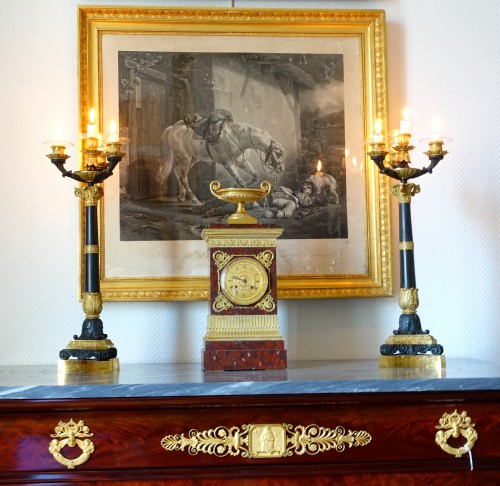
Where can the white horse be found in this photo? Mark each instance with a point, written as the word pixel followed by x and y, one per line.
pixel 181 148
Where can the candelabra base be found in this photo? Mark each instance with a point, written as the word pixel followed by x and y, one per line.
pixel 68 366
pixel 428 361
pixel 408 351
pixel 89 355
pixel 411 344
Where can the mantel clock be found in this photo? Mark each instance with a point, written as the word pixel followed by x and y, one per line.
pixel 242 329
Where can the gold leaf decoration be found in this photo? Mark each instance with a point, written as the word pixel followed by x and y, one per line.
pixel 71 434
pixel 266 440
pixel 456 425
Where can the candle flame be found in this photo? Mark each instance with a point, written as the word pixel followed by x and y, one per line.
pixel 346 153
pixel 354 162
pixel 92 116
pixel 406 113
pixel 319 165
pixel 378 126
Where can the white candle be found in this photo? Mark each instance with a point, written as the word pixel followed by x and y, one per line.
pixel 58 140
pixel 436 131
pixel 378 137
pixel 404 124
pixel 91 127
pixel 113 132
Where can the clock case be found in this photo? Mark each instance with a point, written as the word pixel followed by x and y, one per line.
pixel 242 337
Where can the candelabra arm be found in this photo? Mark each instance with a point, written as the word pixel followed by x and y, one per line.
pixel 379 162
pixel 435 159
pixel 112 163
pixel 59 163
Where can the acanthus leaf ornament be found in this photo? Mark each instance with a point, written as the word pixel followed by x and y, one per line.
pixel 408 300
pixel 92 304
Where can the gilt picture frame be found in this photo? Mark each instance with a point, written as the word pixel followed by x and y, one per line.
pixel 185 84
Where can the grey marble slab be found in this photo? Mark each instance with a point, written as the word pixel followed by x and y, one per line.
pixel 187 379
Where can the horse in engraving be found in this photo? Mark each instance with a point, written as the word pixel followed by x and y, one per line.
pixel 182 147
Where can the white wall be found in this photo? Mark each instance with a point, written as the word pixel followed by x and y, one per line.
pixel 442 59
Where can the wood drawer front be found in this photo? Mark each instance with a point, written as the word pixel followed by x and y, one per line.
pixel 127 433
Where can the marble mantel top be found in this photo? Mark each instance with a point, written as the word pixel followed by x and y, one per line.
pixel 187 379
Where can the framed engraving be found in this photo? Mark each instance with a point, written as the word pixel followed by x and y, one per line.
pixel 239 96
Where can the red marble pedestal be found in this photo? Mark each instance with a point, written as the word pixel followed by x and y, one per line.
pixel 244 355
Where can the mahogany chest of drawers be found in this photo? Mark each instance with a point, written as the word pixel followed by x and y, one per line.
pixel 315 423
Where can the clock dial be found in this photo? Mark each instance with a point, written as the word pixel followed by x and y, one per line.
pixel 244 281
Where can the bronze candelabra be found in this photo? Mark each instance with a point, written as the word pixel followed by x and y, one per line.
pixel 91 351
pixel 410 345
